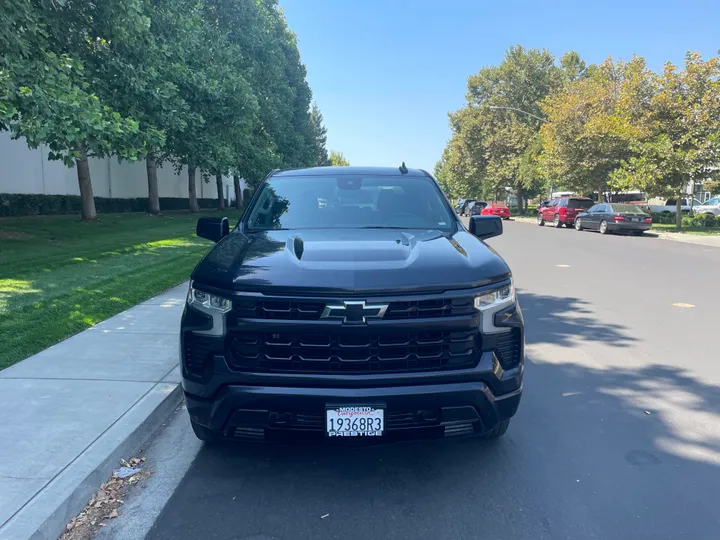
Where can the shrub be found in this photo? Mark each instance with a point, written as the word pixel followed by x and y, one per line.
pixel 664 217
pixel 701 220
pixel 20 204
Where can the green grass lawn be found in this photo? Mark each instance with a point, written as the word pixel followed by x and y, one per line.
pixel 59 275
pixel 670 228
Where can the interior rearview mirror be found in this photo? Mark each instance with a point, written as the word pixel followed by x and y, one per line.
pixel 214 229
pixel 485 227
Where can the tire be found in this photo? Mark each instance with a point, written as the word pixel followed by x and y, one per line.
pixel 540 220
pixel 603 227
pixel 556 222
pixel 204 434
pixel 496 432
pixel 578 224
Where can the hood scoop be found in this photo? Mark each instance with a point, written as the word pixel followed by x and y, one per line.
pixel 296 246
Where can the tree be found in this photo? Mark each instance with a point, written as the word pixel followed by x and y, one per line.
pixel 212 83
pixel 49 98
pixel 281 133
pixel 494 135
pixel 338 160
pixel 590 124
pixel 321 153
pixel 682 131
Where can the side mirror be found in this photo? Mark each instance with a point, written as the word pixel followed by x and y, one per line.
pixel 485 227
pixel 214 229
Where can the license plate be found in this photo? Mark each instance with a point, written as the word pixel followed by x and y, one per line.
pixel 355 421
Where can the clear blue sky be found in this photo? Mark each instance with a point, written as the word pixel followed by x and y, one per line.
pixel 385 73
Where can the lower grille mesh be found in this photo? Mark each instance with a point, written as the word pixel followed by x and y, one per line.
pixel 361 351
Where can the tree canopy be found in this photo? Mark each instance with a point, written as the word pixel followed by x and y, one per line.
pixel 494 144
pixel 337 159
pixel 214 85
pixel 532 124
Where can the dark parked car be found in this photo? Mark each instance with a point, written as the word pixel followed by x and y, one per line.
pixel 563 210
pixel 461 204
pixel 614 217
pixel 475 208
pixel 385 322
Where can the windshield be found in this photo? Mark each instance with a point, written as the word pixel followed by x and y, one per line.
pixel 627 209
pixel 580 203
pixel 349 201
pixel 712 202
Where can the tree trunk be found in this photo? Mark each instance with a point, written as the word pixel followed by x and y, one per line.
pixel 600 194
pixel 238 192
pixel 221 195
pixel 153 197
pixel 678 213
pixel 521 209
pixel 192 194
pixel 85 183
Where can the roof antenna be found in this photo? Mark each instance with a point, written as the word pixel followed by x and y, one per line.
pixel 403 168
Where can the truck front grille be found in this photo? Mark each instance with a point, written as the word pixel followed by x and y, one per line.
pixel 310 310
pixel 359 351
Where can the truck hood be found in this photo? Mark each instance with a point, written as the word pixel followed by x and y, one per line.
pixel 350 261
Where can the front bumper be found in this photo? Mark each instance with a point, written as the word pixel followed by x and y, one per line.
pixel 279 413
pixel 418 404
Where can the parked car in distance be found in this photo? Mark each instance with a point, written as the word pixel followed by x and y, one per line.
pixel 461 204
pixel 711 206
pixel 496 209
pixel 563 210
pixel 670 206
pixel 475 208
pixel 614 217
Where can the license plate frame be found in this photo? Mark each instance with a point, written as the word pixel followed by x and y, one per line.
pixel 358 416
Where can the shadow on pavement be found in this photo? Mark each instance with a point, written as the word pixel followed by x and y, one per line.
pixel 566 320
pixel 592 453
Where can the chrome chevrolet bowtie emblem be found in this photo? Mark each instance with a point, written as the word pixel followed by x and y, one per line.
pixel 354 312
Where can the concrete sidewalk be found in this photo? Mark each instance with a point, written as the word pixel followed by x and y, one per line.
pixel 69 413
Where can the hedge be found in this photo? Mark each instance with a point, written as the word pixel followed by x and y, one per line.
pixel 698 220
pixel 667 218
pixel 701 220
pixel 12 204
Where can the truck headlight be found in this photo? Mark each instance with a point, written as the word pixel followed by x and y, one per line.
pixel 497 297
pixel 210 301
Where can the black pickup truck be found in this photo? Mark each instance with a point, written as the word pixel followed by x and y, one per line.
pixel 351 303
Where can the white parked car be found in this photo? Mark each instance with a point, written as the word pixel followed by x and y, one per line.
pixel 669 207
pixel 711 206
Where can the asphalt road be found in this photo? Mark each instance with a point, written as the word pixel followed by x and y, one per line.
pixel 618 433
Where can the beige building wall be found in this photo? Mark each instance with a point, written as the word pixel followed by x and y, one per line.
pixel 25 170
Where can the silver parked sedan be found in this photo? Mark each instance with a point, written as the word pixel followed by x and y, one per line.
pixel 711 206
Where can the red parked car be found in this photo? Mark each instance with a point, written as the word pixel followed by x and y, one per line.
pixel 563 210
pixel 496 209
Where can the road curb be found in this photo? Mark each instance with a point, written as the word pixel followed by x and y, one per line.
pixel 45 516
